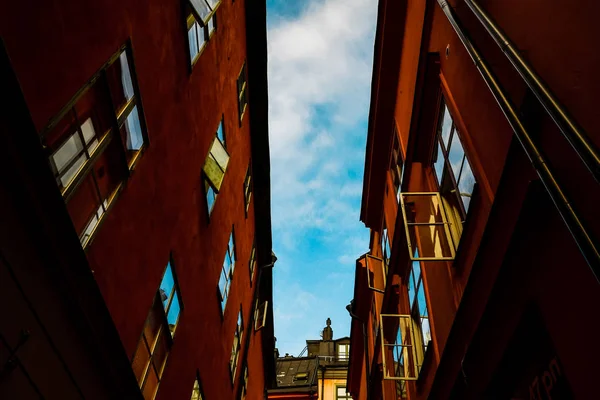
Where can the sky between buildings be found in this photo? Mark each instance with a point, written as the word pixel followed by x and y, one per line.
pixel 320 64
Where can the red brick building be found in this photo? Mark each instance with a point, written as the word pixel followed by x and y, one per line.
pixel 136 236
pixel 481 194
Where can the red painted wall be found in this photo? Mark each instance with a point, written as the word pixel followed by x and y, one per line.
pixel 162 208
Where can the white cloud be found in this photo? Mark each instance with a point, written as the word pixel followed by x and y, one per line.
pixel 319 80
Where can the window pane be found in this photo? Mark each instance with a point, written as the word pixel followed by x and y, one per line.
pixel 466 184
pixel 213 172
pixel 220 154
pixel 456 155
pixel 166 286
pixel 411 287
pixel 89 135
pixel 221 134
pixel 160 354
pixel 140 362
pixel 193 41
pixel 126 76
pixel 134 138
pixel 211 24
pixel 211 196
pixel 151 385
pixel 120 82
pixel 439 164
pixel 426 330
pixel 213 3
pixel 70 150
pixel 173 315
pixel 93 222
pixel 231 248
pixel 153 324
pixel 201 8
pixel 416 266
pixel 446 126
pixel 421 301
pixel 83 205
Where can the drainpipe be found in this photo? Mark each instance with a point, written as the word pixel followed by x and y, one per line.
pixel 575 135
pixel 575 225
pixel 350 308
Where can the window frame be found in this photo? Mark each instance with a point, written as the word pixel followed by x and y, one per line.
pixel 118 120
pixel 248 188
pixel 207 34
pixel 418 283
pixel 252 262
pixel 448 174
pixel 242 92
pixel 386 246
pixel 163 332
pixel 408 350
pixel 347 396
pixel 228 275
pixel 236 347
pixel 397 163
pixel 214 167
pixel 413 248
pixel 347 353
pixel 371 282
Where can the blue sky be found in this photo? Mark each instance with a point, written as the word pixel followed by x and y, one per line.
pixel 320 64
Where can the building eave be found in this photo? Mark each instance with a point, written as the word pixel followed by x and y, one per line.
pixel 256 42
pixel 386 66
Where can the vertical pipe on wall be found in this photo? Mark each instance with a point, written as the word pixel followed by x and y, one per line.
pixel 575 225
pixel 575 135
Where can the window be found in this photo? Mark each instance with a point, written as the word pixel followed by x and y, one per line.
pixel 157 337
pixel 242 90
pixel 248 189
pixel 201 24
pixel 252 263
pixel 214 168
pixel 227 272
pixel 197 390
pixel 375 273
pixel 301 376
pixel 396 164
pixel 418 305
pixel 427 229
pixel 95 141
pixel 244 390
pixel 237 345
pixel 453 172
pixel 343 351
pixel 400 359
pixel 386 249
pixel 341 394
pixel 260 315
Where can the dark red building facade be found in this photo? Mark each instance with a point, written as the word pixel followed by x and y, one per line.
pixel 136 235
pixel 481 194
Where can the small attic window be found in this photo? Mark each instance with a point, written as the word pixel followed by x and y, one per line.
pixel 302 376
